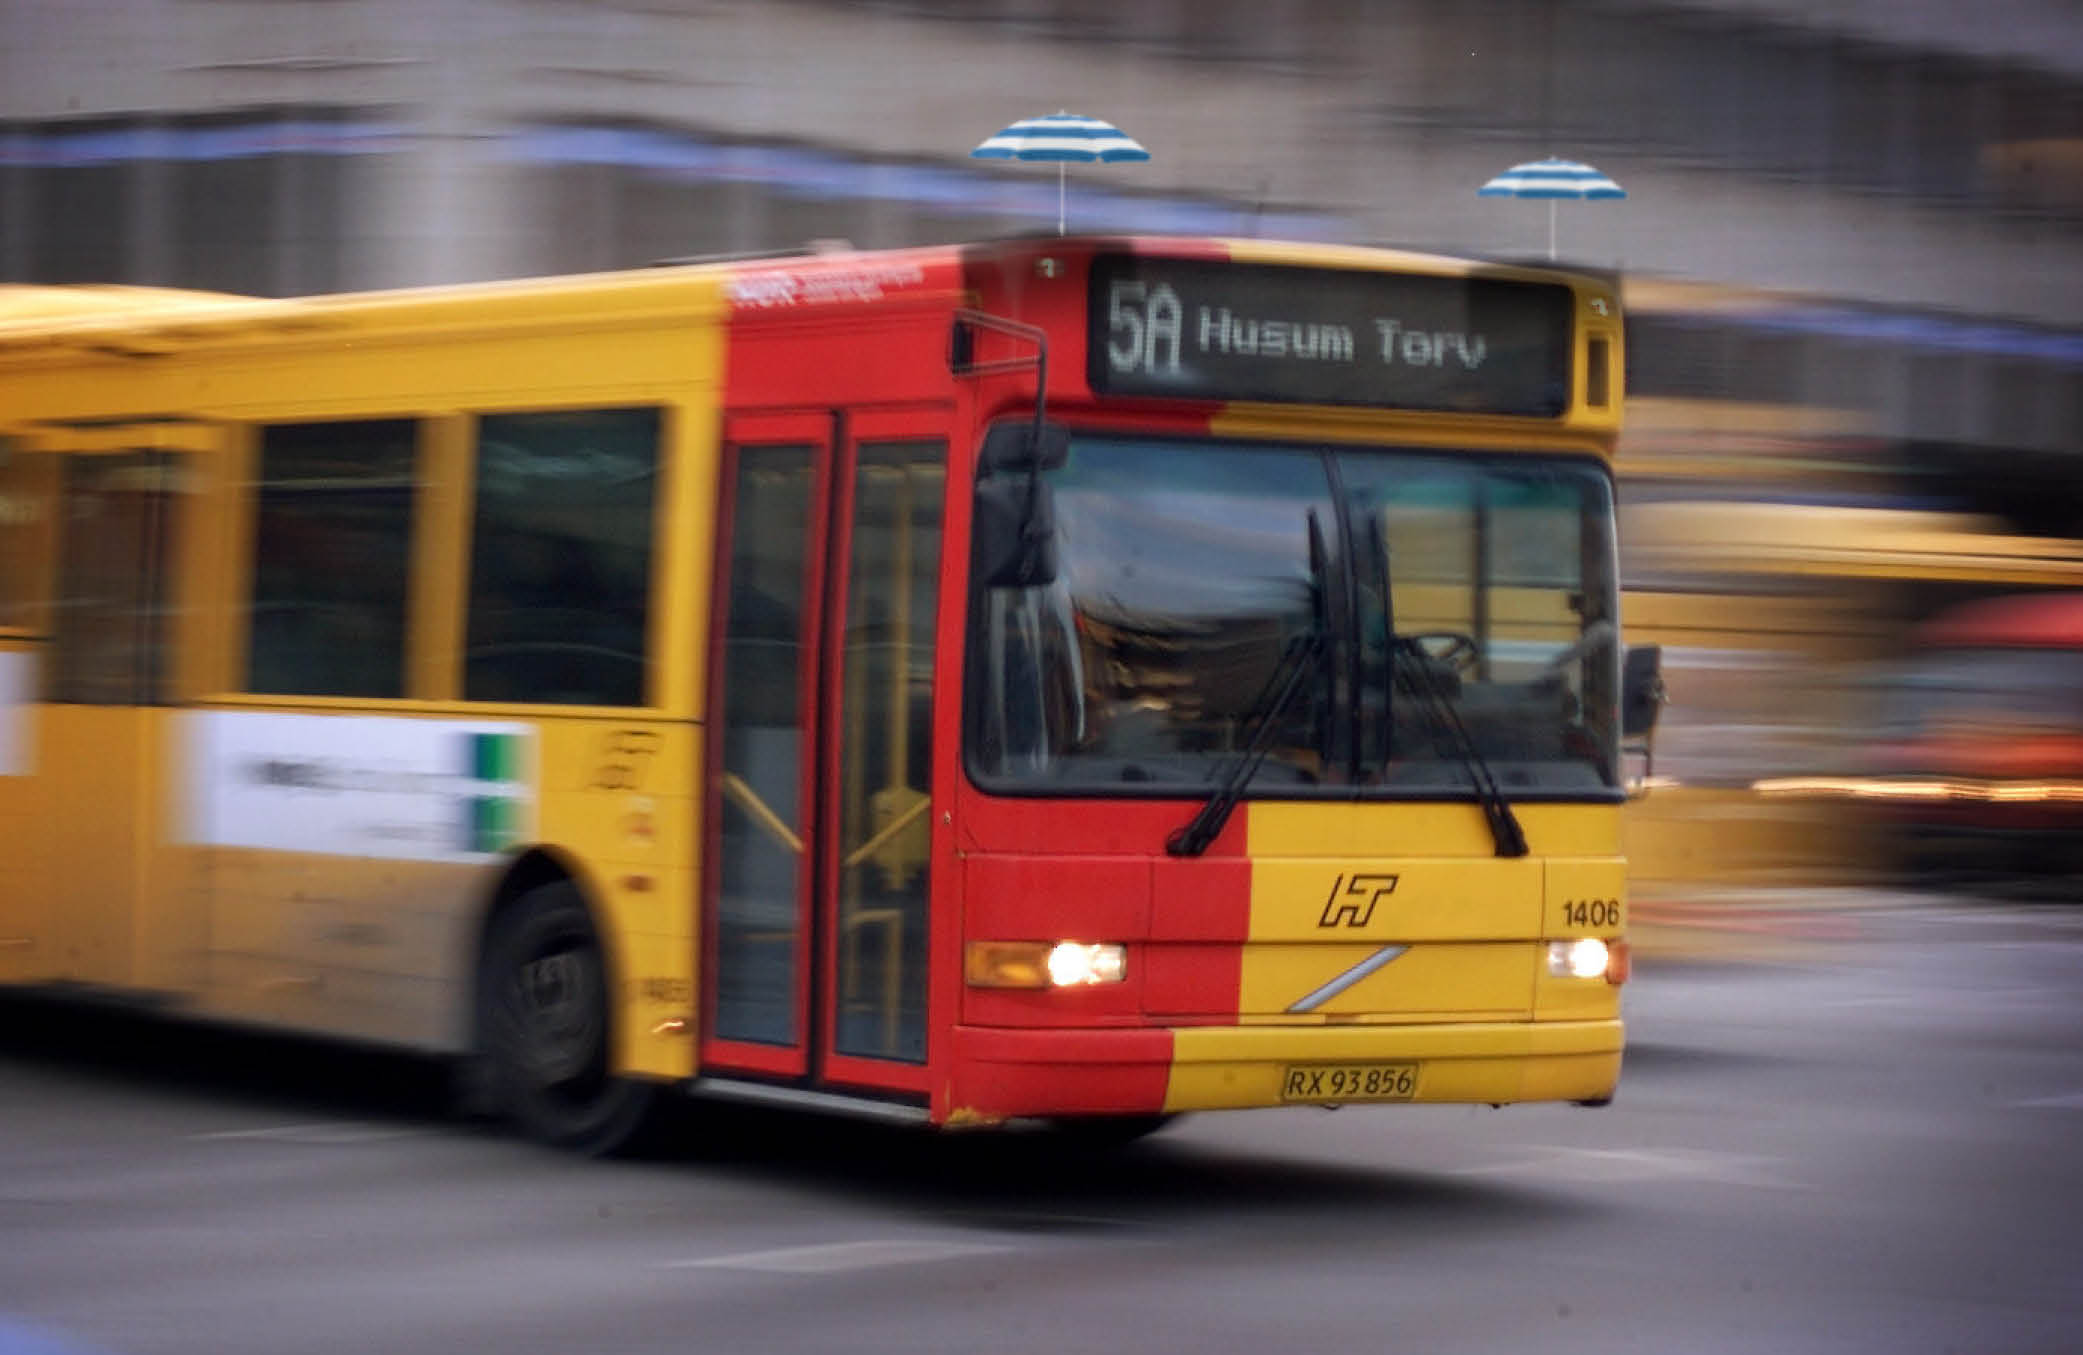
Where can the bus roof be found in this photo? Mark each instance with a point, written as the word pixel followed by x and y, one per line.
pixel 53 319
pixel 29 302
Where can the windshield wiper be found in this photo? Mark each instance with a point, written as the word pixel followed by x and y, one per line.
pixel 1504 825
pixel 1384 577
pixel 1299 660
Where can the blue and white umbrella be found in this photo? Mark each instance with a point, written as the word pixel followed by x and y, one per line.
pixel 1555 181
pixel 1064 138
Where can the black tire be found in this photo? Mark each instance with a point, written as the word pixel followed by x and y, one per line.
pixel 544 1028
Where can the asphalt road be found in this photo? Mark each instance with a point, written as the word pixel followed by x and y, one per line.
pixel 1870 1146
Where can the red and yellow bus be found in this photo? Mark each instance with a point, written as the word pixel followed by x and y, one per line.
pixel 1078 679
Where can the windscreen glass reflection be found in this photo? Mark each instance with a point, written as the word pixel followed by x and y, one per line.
pixel 1185 572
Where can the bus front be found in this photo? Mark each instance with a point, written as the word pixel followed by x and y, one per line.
pixel 1291 729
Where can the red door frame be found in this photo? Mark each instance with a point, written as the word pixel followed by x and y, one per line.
pixel 834 437
pixel 817 431
pixel 922 423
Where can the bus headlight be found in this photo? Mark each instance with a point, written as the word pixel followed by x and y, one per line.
pixel 1589 958
pixel 1043 964
pixel 1071 964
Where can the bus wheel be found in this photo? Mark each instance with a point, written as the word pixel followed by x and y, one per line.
pixel 544 1028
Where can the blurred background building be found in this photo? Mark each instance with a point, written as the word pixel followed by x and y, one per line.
pixel 1912 151
pixel 1853 242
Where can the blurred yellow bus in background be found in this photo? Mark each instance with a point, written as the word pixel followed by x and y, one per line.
pixel 1771 552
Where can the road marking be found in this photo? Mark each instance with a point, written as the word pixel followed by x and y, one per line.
pixel 315 1133
pixel 834 1257
pixel 1588 1165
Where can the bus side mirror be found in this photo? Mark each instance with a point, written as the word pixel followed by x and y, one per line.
pixel 1642 699
pixel 1013 532
pixel 1023 446
pixel 1642 693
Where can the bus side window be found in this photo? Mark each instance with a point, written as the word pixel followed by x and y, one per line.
pixel 331 549
pixel 111 631
pixel 28 523
pixel 560 557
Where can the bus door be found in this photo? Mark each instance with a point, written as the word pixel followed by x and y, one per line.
pixel 105 741
pixel 820 759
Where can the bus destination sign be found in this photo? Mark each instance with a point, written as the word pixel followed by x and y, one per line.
pixel 1190 329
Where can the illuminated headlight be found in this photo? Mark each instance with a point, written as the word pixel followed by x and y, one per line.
pixel 1042 964
pixel 1586 958
pixel 1071 964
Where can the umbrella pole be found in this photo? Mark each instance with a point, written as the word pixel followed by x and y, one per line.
pixel 1551 230
pixel 1059 197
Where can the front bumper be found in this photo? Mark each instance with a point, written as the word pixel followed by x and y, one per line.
pixel 1000 1074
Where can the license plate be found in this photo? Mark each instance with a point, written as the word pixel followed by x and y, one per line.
pixel 1325 1082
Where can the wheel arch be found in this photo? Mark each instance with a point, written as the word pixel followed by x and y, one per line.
pixel 533 868
pixel 515 1069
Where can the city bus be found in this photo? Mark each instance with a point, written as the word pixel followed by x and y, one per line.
pixel 1863 692
pixel 1061 681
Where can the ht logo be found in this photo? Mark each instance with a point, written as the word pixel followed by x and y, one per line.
pixel 1353 898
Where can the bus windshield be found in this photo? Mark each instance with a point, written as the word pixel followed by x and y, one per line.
pixel 1460 586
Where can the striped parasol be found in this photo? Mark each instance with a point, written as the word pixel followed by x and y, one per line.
pixel 1063 138
pixel 1554 181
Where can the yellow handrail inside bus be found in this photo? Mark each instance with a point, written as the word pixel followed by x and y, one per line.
pixel 889 831
pixel 747 799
